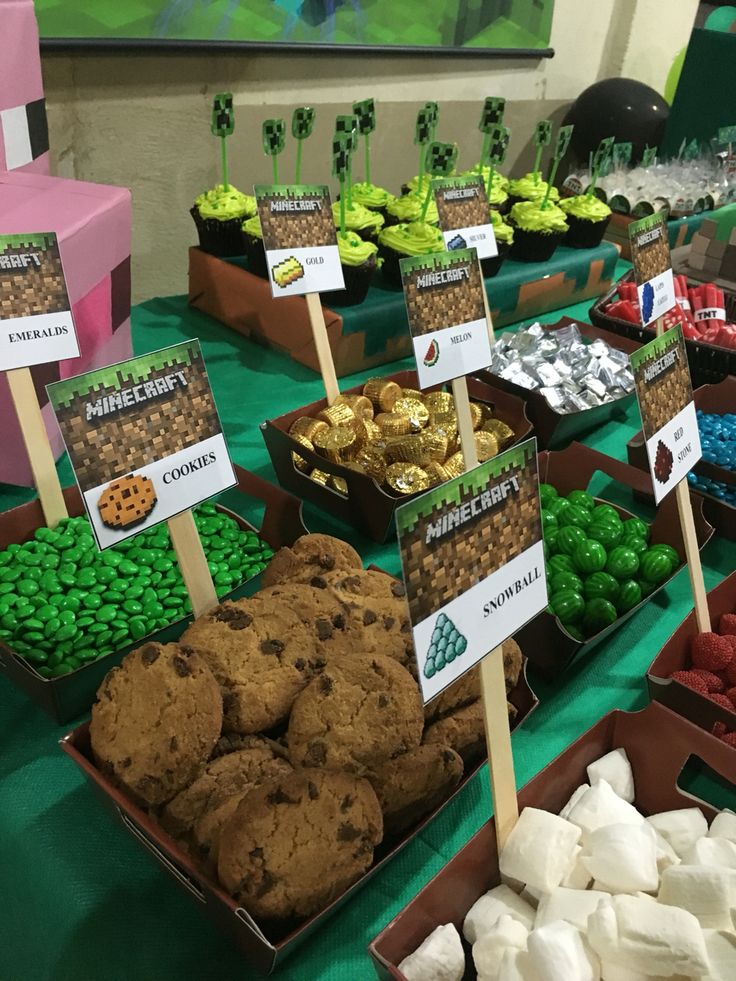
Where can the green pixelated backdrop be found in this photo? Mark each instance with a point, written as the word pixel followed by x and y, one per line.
pixel 472 25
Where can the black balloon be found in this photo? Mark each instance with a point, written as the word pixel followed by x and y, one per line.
pixel 620 107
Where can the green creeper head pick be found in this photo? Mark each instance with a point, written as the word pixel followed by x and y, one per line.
pixel 223 117
pixel 365 113
pixel 649 156
pixel 340 155
pixel 423 130
pixel 492 115
pixel 302 122
pixel 691 150
pixel 564 135
pixel 543 133
pixel 349 126
pixel 434 111
pixel 622 154
pixel 498 144
pixel 602 154
pixel 274 136
pixel 441 158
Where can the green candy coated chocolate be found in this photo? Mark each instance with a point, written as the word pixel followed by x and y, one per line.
pixel 106 613
pixel 138 627
pixel 93 601
pixel 66 632
pixel 27 587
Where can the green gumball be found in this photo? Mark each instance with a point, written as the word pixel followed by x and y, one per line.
pixel 655 566
pixel 575 516
pixel 564 580
pixel 622 562
pixel 599 613
pixel 589 556
pixel 629 596
pixel 637 528
pixel 601 584
pixel 608 533
pixel 569 538
pixel 567 605
pixel 582 499
pixel 559 563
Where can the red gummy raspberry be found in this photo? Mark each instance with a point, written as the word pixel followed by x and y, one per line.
pixel 727 624
pixel 730 671
pixel 691 680
pixel 712 681
pixel 711 652
pixel 719 729
pixel 721 700
pixel 729 738
pixel 731 694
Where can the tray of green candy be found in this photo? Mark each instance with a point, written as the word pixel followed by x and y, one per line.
pixel 68 613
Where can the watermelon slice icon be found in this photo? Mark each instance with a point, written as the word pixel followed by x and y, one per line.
pixel 433 354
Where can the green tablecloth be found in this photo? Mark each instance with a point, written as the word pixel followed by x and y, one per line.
pixel 82 902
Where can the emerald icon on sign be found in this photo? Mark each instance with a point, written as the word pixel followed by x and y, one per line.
pixel 447 644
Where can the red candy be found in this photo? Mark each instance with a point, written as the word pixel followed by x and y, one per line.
pixel 727 624
pixel 690 680
pixel 711 652
pixel 712 681
pixel 729 738
pixel 721 700
pixel 731 695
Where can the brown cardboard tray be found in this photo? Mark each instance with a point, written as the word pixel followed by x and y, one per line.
pixel 71 695
pixel 710 398
pixel 265 945
pixel 658 744
pixel 555 429
pixel 544 640
pixel 367 506
pixel 675 656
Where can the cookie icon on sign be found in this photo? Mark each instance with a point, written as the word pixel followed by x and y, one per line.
pixel 127 501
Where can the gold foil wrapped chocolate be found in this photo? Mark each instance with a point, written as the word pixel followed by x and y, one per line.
pixel 406 478
pixel 306 426
pixel 412 393
pixel 416 412
pixel 438 402
pixel 436 473
pixel 435 444
pixel 391 424
pixel 337 445
pixel 455 465
pixel 362 407
pixel 372 462
pixel 382 393
pixel 299 462
pixel 486 445
pixel 407 449
pixel 476 415
pixel 337 414
pixel 504 433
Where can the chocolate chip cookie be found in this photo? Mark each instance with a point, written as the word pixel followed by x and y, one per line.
pixel 297 842
pixel 365 583
pixel 462 730
pixel 461 692
pixel 414 783
pixel 358 713
pixel 309 556
pixel 262 656
pixel 156 721
pixel 512 662
pixel 321 612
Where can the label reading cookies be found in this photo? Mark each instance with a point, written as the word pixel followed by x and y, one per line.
pixel 144 439
pixel 447 321
pixel 650 256
pixel 36 324
pixel 473 564
pixel 300 238
pixel 669 421
pixel 464 215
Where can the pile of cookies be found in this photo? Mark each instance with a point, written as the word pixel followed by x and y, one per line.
pixel 288 726
pixel 406 440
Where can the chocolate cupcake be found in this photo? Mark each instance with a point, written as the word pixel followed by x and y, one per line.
pixel 219 215
pixel 588 219
pixel 504 238
pixel 359 219
pixel 359 263
pixel 408 208
pixel 530 187
pixel 255 253
pixel 398 241
pixel 371 196
pixel 537 231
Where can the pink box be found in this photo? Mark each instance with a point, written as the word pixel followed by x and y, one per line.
pixel 93 224
pixel 24 135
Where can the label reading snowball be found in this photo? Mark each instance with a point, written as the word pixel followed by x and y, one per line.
pixel 144 439
pixel 36 324
pixel 447 321
pixel 300 238
pixel 463 211
pixel 650 256
pixel 665 394
pixel 473 564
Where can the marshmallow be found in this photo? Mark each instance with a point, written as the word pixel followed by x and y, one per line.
pixel 624 857
pixel 575 797
pixel 578 877
pixel 681 828
pixel 648 937
pixel 612 972
pixel 516 966
pixel 439 958
pixel 574 906
pixel 532 896
pixel 558 953
pixel 600 806
pixel 724 826
pixel 719 852
pixel 540 850
pixel 706 892
pixel 721 949
pixel 616 770
pixel 485 912
pixel 666 854
pixel 489 950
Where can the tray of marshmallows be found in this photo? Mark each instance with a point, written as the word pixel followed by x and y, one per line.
pixel 612 872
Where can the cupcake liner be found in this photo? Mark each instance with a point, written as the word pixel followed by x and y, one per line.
pixel 357 281
pixel 492 264
pixel 390 270
pixel 256 255
pixel 584 234
pixel 220 238
pixel 534 246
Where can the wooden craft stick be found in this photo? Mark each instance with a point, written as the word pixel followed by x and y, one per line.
pixel 489 318
pixel 192 562
pixel 39 452
pixel 322 344
pixel 492 680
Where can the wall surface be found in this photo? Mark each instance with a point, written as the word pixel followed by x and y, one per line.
pixel 142 119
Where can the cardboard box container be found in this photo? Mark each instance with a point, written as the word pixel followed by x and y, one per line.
pixel 367 506
pixel 24 134
pixel 92 223
pixel 376 332
pixel 265 946
pixel 555 429
pixel 708 363
pixel 681 231
pixel 71 695
pixel 658 744
pixel 545 641
pixel 675 656
pixel 718 398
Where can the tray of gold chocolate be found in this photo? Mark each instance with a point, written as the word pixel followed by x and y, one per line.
pixel 573 377
pixel 382 442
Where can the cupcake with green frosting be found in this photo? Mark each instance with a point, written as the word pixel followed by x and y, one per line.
pixel 537 230
pixel 504 238
pixel 417 185
pixel 588 219
pixel 359 260
pixel 410 238
pixel 253 247
pixel 219 215
pixel 531 187
pixel 499 197
pixel 359 219
pixel 371 196
pixel 408 208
